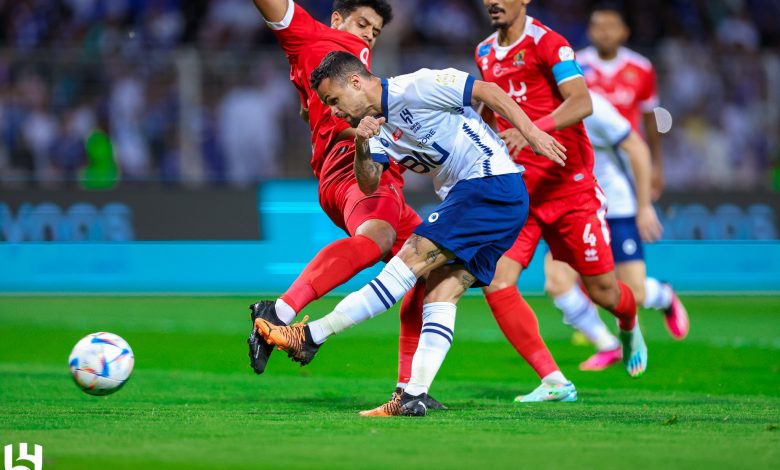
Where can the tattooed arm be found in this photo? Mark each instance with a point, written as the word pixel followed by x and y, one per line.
pixel 367 171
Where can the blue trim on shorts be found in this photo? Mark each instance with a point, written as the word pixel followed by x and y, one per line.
pixel 626 243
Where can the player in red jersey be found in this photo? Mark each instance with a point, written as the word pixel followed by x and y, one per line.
pixel 378 224
pixel 536 66
pixel 625 77
pixel 627 80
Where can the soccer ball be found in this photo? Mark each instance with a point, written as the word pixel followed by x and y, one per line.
pixel 101 363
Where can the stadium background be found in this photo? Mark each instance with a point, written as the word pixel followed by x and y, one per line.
pixel 154 146
pixel 168 120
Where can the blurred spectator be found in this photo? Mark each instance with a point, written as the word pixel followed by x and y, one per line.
pixel 68 67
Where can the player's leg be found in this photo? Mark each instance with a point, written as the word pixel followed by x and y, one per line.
pixel 578 235
pixel 370 220
pixel 578 311
pixel 417 258
pixel 661 296
pixel 517 319
pixel 628 251
pixel 445 286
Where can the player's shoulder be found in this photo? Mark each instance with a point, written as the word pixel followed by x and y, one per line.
pixel 636 59
pixel 483 47
pixel 542 33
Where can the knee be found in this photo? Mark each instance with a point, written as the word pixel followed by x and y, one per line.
pixel 554 286
pixel 500 282
pixel 638 290
pixel 382 234
pixel 604 292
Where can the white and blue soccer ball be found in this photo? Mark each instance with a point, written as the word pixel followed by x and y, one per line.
pixel 101 363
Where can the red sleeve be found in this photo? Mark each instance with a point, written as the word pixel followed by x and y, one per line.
pixel 648 97
pixel 302 30
pixel 554 48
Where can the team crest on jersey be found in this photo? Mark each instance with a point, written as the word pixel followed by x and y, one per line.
pixel 484 50
pixel 446 79
pixel 519 59
pixel 397 134
pixel 566 53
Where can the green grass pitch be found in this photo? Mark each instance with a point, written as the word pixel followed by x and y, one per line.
pixel 712 401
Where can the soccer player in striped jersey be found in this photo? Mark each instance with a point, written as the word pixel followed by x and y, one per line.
pixel 424 121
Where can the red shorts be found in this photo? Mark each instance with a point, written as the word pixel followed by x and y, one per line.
pixel 348 208
pixel 575 229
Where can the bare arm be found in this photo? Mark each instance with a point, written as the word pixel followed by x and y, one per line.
pixel 496 99
pixel 367 171
pixel 654 141
pixel 639 156
pixel 576 104
pixel 272 10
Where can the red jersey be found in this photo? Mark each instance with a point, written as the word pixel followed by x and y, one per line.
pixel 530 71
pixel 306 42
pixel 627 81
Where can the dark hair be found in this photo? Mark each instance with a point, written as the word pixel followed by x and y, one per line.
pixel 336 66
pixel 381 7
pixel 610 7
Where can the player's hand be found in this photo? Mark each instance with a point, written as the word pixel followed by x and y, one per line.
pixel 656 183
pixel 650 228
pixel 514 140
pixel 369 127
pixel 544 144
pixel 304 114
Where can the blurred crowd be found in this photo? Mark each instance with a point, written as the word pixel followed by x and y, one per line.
pixel 196 91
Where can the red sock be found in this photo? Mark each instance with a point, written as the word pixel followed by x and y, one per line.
pixel 520 326
pixel 334 265
pixel 411 324
pixel 625 310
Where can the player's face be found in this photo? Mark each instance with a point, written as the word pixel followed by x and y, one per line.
pixel 504 13
pixel 607 31
pixel 345 100
pixel 363 22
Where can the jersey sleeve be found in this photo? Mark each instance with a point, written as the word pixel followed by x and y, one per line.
pixel 441 89
pixel 606 127
pixel 378 151
pixel 296 29
pixel 558 57
pixel 648 98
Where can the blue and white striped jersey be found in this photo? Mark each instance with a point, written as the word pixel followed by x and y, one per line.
pixel 432 129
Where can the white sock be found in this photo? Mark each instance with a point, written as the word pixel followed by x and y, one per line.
pixel 395 280
pixel 657 295
pixel 284 311
pixel 555 378
pixel 401 385
pixel 435 340
pixel 579 312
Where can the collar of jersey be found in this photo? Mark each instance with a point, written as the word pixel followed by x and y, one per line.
pixel 385 110
pixel 502 50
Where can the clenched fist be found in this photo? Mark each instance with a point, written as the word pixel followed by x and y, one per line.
pixel 369 127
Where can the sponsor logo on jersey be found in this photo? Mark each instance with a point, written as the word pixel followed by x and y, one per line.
pixel 519 59
pixel 383 141
pixel 517 94
pixel 591 255
pixel 484 63
pixel 433 217
pixel 446 79
pixel 397 134
pixel 498 70
pixel 484 49
pixel 566 53
pixel 364 56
